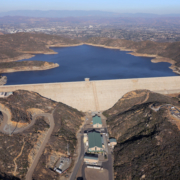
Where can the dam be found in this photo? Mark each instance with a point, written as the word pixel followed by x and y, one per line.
pixel 97 95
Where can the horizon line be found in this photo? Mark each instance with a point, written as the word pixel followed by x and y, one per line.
pixel 106 11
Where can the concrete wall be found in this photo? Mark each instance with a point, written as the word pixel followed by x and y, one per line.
pixel 98 95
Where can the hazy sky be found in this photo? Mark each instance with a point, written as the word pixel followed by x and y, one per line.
pixel 122 6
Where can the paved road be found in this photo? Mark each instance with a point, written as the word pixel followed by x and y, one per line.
pixel 83 171
pixel 105 143
pixel 6 128
pixel 106 165
pixel 158 108
pixel 165 105
pixel 81 155
pixel 38 155
pixel 109 166
pixel 79 161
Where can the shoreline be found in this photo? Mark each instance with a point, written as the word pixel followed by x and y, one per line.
pixel 30 54
pixel 38 52
pixel 30 68
pixel 18 58
pixel 64 45
pixel 110 47
pixel 155 58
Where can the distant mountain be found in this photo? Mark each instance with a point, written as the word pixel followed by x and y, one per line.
pixel 148 15
pixel 57 14
pixel 76 13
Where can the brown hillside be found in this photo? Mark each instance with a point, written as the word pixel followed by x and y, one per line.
pixel 17 152
pixel 148 141
pixel 13 46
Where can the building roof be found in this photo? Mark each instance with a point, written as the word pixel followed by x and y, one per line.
pixel 97 120
pixel 112 140
pixel 94 139
pixel 91 157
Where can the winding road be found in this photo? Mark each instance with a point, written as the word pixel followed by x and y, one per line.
pixel 80 157
pixel 8 129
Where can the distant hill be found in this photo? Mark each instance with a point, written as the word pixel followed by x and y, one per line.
pixel 134 20
pixel 56 14
pixel 17 46
pixel 80 13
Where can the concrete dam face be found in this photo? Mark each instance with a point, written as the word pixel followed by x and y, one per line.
pixel 98 95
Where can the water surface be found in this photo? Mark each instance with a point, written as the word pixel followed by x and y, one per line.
pixel 77 63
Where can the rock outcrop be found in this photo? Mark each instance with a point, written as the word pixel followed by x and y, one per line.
pixel 3 80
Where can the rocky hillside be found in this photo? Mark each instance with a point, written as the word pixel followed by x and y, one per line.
pixel 21 109
pixel 169 51
pixel 18 149
pixel 148 139
pixel 68 122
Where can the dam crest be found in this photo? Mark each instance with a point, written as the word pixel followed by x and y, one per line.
pixel 97 95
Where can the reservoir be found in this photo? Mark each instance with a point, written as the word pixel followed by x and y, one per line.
pixel 96 63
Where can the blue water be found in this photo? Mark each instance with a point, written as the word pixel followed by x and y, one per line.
pixel 77 63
